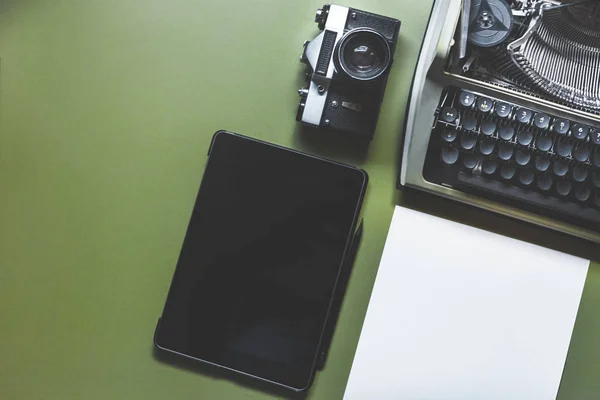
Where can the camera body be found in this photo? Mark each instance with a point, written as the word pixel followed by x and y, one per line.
pixel 348 67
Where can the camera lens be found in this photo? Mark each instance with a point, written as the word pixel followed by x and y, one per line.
pixel 363 58
pixel 363 54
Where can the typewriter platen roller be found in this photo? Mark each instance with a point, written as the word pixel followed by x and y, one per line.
pixel 536 66
pixel 553 51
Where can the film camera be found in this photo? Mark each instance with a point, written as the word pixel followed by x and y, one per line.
pixel 348 66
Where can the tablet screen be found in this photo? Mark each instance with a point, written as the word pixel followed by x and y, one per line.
pixel 260 260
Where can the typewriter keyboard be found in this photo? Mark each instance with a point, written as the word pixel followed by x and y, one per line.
pixel 518 155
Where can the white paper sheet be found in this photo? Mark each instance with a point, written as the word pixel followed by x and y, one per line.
pixel 461 313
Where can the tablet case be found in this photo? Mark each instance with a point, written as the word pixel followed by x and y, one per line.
pixel 341 285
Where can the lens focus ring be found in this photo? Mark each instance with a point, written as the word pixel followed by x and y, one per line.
pixel 362 54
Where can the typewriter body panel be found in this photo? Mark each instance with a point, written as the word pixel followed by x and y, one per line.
pixel 542 63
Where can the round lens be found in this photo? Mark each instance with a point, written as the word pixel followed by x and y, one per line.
pixel 363 54
pixel 363 58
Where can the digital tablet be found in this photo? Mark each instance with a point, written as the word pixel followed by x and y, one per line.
pixel 258 269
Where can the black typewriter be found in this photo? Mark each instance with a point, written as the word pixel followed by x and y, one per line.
pixel 505 110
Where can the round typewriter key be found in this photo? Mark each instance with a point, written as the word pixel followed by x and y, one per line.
pixel 596 160
pixel 484 104
pixel 583 194
pixel 561 126
pixel 502 109
pixel 506 132
pixel 449 135
pixel 449 114
pixel 507 171
pixel 470 161
pixel 541 120
pixel 580 131
pixel 522 157
pixel 560 168
pixel 542 163
pixel 489 166
pixel 524 115
pixel 543 143
pixel 595 136
pixel 544 182
pixel 526 177
pixel 580 174
pixel 469 122
pixel 563 187
pixel 596 180
pixel 467 142
pixel 505 151
pixel 466 99
pixel 449 155
pixel 581 154
pixel 524 138
pixel 486 147
pixel 563 148
pixel 487 127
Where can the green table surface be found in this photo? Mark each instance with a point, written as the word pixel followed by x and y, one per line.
pixel 107 110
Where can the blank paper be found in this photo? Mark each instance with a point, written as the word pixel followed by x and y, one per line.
pixel 460 313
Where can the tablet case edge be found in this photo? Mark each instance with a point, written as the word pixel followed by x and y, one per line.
pixel 338 296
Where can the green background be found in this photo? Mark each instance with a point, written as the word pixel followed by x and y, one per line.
pixel 107 110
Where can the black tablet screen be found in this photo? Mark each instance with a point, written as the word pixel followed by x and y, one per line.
pixel 260 260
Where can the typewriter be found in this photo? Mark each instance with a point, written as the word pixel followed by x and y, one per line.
pixel 504 111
